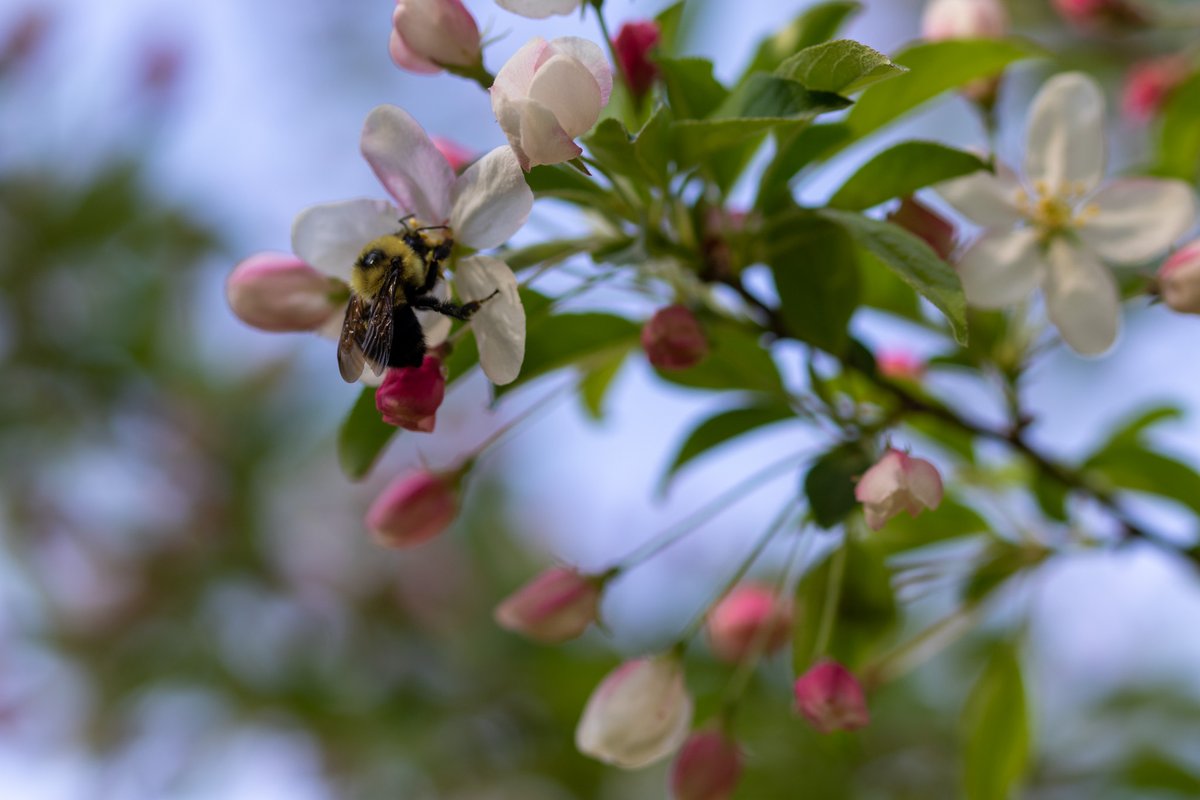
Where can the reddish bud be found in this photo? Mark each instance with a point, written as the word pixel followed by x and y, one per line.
pixel 1150 83
pixel 923 222
pixel 415 508
pixel 430 34
pixel 555 606
pixel 1114 15
pixel 633 44
pixel 1179 279
pixel 707 768
pixel 409 397
pixel 898 482
pixel 277 292
pixel 453 152
pixel 899 365
pixel 964 19
pixel 673 339
pixel 830 697
pixel 750 619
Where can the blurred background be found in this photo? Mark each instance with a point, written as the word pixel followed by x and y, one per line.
pixel 190 606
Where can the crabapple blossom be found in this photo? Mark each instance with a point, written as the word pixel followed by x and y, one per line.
pixel 750 619
pixel 413 509
pixel 483 207
pixel 632 45
pixel 547 94
pixel 831 698
pixel 639 713
pixel 673 339
pixel 964 19
pixel 1150 83
pixel 429 35
pixel 1179 279
pixel 900 365
pixel 707 768
pixel 409 397
pixel 1053 230
pixel 539 9
pixel 279 292
pixel 557 605
pixel 898 482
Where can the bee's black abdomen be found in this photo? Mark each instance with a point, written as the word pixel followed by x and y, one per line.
pixel 408 340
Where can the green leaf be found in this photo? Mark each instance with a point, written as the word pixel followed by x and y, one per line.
pixel 816 275
pixel 829 484
pixel 795 150
pixel 363 436
pixel 914 261
pixel 1155 772
pixel 865 612
pixel 724 427
pixel 1130 431
pixel 566 183
pixel 1179 140
pixel 996 730
pixel 951 520
pixel 1001 561
pixel 670 28
pixel 842 67
pixel 550 252
pixel 692 91
pixel 737 361
pixel 1131 466
pixel 653 145
pixel 565 340
pixel 934 68
pixel 596 382
pixel 813 26
pixel 902 170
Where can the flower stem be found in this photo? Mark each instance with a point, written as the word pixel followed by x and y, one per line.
pixel 833 594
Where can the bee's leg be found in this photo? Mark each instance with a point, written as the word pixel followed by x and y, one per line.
pixel 463 312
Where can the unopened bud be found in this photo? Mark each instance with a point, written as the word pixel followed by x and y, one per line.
pixel 1150 83
pixel 640 713
pixel 413 509
pixel 1113 15
pixel 831 698
pixel 1179 279
pixel 278 292
pixel 556 606
pixel 633 44
pixel 673 339
pixel 923 222
pixel 428 35
pixel 964 19
pixel 898 482
pixel 899 365
pixel 409 397
pixel 750 619
pixel 707 768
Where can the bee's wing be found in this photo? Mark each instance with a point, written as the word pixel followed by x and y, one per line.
pixel 377 342
pixel 350 353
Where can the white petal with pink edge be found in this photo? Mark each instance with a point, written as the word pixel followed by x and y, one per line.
pixel 490 200
pixel 330 237
pixel 407 163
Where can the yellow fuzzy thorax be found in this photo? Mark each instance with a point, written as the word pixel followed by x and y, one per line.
pixel 367 281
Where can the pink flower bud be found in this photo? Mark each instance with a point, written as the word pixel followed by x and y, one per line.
pixel 1150 83
pixel 964 19
pixel 633 44
pixel 428 35
pixel 707 768
pixel 831 698
pixel 640 713
pixel 923 222
pixel 457 155
pixel 409 397
pixel 900 365
pixel 673 339
pixel 555 606
pixel 1114 15
pixel 750 619
pixel 414 508
pixel 898 483
pixel 277 292
pixel 1179 279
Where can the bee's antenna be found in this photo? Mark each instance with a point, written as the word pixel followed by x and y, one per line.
pixel 404 220
pixel 433 228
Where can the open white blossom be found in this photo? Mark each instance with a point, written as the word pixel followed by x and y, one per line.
pixel 1054 228
pixel 539 9
pixel 483 207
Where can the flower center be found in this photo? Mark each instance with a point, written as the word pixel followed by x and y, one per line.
pixel 1055 209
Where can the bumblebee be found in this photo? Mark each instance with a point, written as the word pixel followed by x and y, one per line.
pixel 392 277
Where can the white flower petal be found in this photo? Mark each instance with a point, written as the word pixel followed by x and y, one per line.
pixel 566 87
pixel 539 9
pixel 1002 268
pixel 490 201
pixel 641 712
pixel 592 57
pixel 1081 299
pixel 514 77
pixel 330 237
pixel 499 324
pixel 1138 219
pixel 407 163
pixel 985 199
pixel 1065 140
